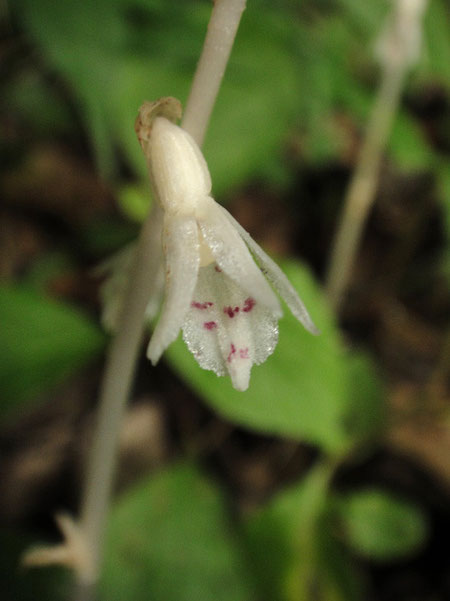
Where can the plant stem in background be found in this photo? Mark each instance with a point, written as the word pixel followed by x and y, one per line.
pixel 399 49
pixel 362 189
pixel 222 28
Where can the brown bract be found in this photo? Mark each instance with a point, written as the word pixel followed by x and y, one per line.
pixel 167 107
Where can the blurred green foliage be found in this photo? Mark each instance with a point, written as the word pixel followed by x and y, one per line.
pixel 42 342
pixel 295 68
pixel 296 524
pixel 170 540
pixel 380 526
pixel 293 65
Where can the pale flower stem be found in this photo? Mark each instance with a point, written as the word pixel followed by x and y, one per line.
pixel 115 390
pixel 222 28
pixel 398 49
pixel 124 350
pixel 363 186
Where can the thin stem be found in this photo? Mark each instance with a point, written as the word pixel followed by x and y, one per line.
pixel 222 28
pixel 115 390
pixel 363 186
pixel 398 50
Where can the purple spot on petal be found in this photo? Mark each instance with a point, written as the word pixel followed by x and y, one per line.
pixel 201 306
pixel 243 353
pixel 231 353
pixel 230 311
pixel 210 325
pixel 249 304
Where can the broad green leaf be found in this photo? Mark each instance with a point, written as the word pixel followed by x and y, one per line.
pixel 41 343
pixel 305 390
pixel 170 540
pixel 380 526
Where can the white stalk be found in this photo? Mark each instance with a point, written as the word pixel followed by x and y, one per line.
pixel 398 49
pixel 222 28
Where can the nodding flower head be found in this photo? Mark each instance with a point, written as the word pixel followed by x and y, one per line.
pixel 215 292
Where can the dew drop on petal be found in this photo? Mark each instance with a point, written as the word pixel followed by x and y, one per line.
pixel 233 332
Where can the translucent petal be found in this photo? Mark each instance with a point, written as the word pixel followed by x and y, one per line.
pixel 180 243
pixel 117 271
pixel 227 330
pixel 112 291
pixel 276 277
pixel 233 256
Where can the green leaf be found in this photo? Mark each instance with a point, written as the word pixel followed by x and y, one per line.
pixel 169 540
pixel 41 343
pixel 381 526
pixel 305 390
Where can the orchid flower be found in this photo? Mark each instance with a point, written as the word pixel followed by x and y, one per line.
pixel 215 292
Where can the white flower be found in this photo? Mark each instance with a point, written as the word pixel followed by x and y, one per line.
pixel 214 290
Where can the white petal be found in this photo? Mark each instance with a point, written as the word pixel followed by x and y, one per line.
pixel 226 329
pixel 276 277
pixel 180 243
pixel 233 256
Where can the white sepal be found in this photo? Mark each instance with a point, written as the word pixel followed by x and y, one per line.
pixel 181 248
pixel 233 256
pixel 276 277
